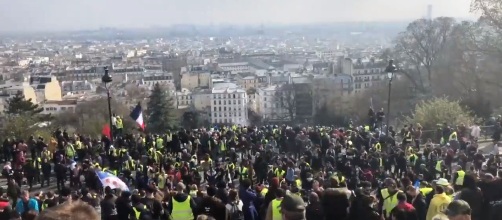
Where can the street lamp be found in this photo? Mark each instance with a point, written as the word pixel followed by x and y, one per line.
pixel 390 69
pixel 108 79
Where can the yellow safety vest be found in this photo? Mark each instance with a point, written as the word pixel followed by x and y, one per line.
pixel 46 155
pixel 162 181
pixel 412 157
pixel 298 183
pixel 37 164
pixel 389 202
pixel 438 166
pixel 381 162
pixel 129 165
pixel 159 143
pixel 119 123
pixel 425 191
pixel 264 192
pixel 366 128
pixel 78 145
pixel 276 211
pixel 223 147
pixel 378 147
pixel 137 212
pixel 231 166
pixel 453 136
pixel 279 173
pixel 339 179
pixel 181 210
pixel 460 178
pixel 408 137
pixel 244 172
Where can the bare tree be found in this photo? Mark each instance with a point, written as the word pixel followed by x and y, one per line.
pixel 286 97
pixel 418 48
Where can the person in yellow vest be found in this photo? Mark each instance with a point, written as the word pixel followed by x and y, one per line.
pixel 128 167
pixel 439 203
pixel 70 151
pixel 120 126
pixel 388 197
pixel 243 172
pixel 453 136
pixel 339 178
pixel 182 205
pixel 159 143
pixel 137 207
pixel 46 155
pixel 458 177
pixel 162 180
pixel 378 147
pixel 223 146
pixel 439 168
pixel 273 210
pixel 412 159
pixel 279 172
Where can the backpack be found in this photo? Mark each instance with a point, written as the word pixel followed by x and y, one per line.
pixel 235 213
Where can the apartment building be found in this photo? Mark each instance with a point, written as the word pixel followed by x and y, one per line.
pixel 268 106
pixel 165 79
pixel 77 86
pixel 57 107
pixel 195 79
pixel 47 88
pixel 366 72
pixel 228 104
pixel 183 98
pixel 235 67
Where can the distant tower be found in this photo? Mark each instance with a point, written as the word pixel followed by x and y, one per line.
pixel 429 12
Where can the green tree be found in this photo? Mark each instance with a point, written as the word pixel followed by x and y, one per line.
pixel 191 120
pixel 161 115
pixel 18 105
pixel 440 110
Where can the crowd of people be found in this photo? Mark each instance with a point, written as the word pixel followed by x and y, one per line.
pixel 256 173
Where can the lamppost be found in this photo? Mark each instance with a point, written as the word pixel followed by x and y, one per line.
pixel 108 79
pixel 390 69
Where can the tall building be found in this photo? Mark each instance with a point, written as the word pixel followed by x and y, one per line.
pixel 228 104
pixel 429 12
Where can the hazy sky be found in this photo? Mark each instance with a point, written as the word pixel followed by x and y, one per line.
pixel 28 15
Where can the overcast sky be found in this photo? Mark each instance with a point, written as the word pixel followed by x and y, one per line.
pixel 40 15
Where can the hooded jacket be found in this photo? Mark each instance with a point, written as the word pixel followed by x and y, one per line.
pixel 438 203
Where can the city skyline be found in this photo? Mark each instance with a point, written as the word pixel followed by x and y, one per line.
pixel 59 15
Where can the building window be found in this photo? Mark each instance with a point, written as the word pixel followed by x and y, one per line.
pixel 234 102
pixel 224 108
pixel 234 96
pixel 219 108
pixel 224 102
pixel 215 115
pixel 239 114
pixel 219 102
pixel 63 108
pixel 214 102
pixel 214 108
pixel 265 105
pixel 239 102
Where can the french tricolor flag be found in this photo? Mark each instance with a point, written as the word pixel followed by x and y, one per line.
pixel 137 115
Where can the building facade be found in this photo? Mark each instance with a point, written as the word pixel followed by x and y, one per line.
pixel 229 106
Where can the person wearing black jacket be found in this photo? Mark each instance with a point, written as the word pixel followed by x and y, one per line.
pixel 139 210
pixel 123 205
pixel 60 171
pixel 152 204
pixel 418 202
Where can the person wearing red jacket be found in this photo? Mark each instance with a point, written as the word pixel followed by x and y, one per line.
pixel 404 210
